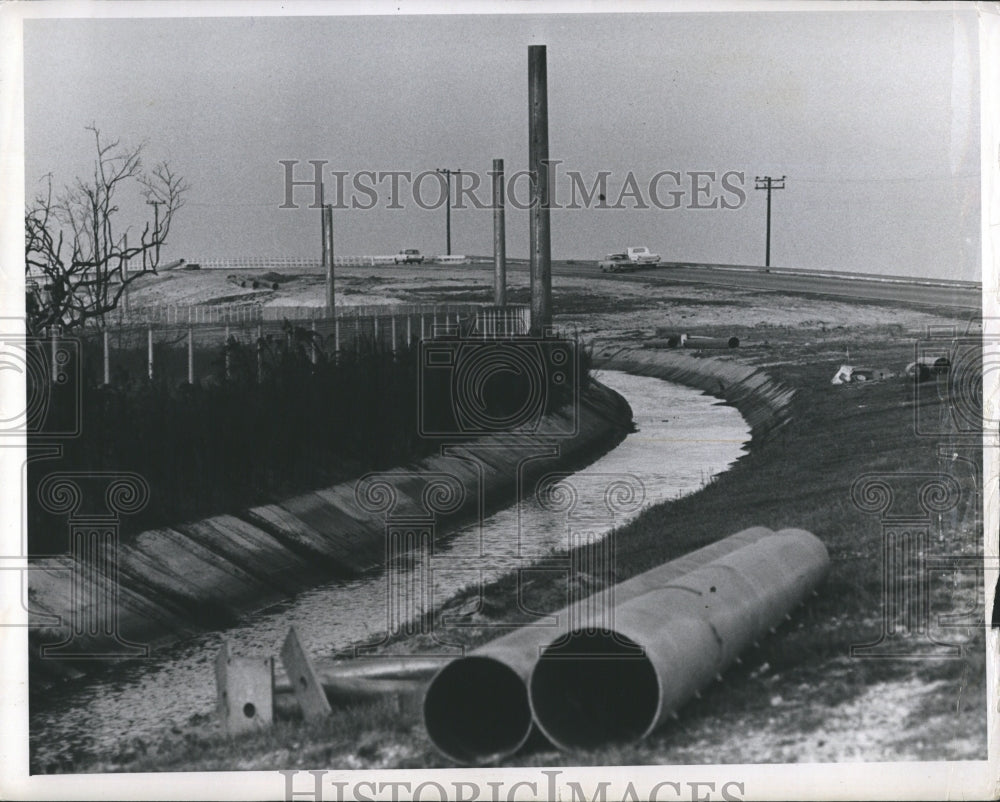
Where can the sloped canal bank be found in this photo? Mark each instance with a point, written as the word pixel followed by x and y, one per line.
pixel 684 438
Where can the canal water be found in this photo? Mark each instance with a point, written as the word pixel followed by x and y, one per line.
pixel 683 439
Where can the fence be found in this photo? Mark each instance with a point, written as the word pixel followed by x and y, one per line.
pixel 286 262
pixel 191 344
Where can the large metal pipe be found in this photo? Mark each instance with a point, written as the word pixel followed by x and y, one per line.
pixel 595 687
pixel 476 707
pixel 695 341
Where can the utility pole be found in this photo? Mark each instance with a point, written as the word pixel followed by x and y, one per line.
pixel 125 274
pixel 156 225
pixel 499 237
pixel 447 215
pixel 322 227
pixel 538 168
pixel 768 183
pixel 328 247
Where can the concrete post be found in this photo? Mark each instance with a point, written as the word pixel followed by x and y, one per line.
pixel 538 162
pixel 190 354
pixel 328 250
pixel 499 237
pixel 260 353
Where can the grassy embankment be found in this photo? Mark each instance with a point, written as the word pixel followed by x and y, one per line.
pixel 799 695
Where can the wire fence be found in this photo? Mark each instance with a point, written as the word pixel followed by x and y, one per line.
pixel 203 343
pixel 287 262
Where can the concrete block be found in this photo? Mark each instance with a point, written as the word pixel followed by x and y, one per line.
pixel 246 691
pixel 305 683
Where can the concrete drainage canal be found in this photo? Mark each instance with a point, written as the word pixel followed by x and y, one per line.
pixel 683 439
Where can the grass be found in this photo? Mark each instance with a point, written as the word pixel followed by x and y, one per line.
pixel 802 477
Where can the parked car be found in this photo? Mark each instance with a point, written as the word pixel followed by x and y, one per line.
pixel 409 256
pixel 615 263
pixel 641 256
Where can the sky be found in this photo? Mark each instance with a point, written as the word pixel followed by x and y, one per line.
pixel 872 116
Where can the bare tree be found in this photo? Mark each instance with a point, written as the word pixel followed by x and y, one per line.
pixel 76 244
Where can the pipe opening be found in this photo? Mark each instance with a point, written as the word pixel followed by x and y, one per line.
pixel 594 689
pixel 476 708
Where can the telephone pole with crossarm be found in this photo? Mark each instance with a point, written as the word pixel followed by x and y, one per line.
pixel 768 183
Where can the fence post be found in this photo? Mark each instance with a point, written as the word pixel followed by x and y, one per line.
pixel 312 341
pixel 107 366
pixel 149 350
pixel 421 325
pixel 336 338
pixel 393 319
pixel 191 346
pixel 260 354
pixel 409 335
pixel 54 337
pixel 226 351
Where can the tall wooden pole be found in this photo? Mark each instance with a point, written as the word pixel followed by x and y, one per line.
pixel 538 158
pixel 331 295
pixel 322 228
pixel 499 237
pixel 769 184
pixel 125 276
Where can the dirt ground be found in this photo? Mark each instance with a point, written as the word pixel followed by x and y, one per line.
pixel 608 306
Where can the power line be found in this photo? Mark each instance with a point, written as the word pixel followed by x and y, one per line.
pixel 768 183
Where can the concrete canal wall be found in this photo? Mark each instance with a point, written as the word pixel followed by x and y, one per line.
pixel 763 402
pixel 206 574
pixel 196 576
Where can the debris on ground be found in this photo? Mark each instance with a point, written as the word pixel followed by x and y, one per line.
pixel 851 374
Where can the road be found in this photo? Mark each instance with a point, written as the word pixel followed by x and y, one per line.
pixel 960 295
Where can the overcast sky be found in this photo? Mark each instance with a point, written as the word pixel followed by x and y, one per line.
pixel 872 116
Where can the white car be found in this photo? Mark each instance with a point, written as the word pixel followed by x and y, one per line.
pixel 409 256
pixel 641 256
